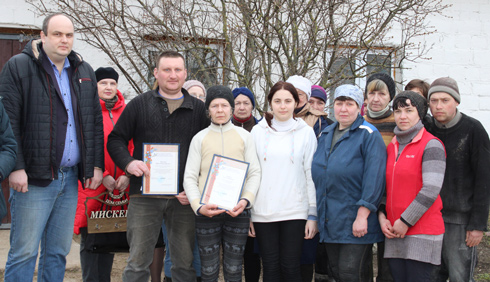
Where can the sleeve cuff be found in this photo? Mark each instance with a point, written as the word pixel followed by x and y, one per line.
pixel 405 222
pixel 312 217
pixel 367 205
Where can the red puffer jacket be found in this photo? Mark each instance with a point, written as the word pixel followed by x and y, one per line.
pixel 110 118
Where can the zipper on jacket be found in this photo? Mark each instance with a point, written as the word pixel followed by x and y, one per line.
pixel 82 155
pixel 222 140
pixel 50 125
pixel 113 125
pixel 396 148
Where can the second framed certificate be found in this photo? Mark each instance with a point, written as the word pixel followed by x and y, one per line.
pixel 225 181
pixel 163 162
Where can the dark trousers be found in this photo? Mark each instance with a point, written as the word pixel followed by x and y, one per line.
pixel 350 262
pixel 280 246
pixel 384 274
pixel 251 261
pixel 232 233
pixel 323 272
pixel 95 267
pixel 407 270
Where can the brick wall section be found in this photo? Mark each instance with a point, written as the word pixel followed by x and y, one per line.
pixel 462 51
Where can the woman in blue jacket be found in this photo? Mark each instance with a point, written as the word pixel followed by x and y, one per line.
pixel 349 174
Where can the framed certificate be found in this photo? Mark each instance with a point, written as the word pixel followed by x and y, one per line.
pixel 163 162
pixel 225 181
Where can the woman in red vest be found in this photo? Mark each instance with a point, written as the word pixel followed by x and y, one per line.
pixel 415 166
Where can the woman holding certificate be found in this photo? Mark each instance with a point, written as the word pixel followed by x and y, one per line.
pixel 284 212
pixel 221 179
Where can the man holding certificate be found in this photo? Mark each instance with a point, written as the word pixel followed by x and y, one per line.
pixel 221 180
pixel 161 124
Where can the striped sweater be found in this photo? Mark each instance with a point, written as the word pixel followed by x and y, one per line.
pixel 385 125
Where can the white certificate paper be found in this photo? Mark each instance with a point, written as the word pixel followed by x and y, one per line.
pixel 225 181
pixel 163 162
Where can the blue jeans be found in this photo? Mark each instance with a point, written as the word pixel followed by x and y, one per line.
pixel 168 263
pixel 42 216
pixel 458 260
pixel 145 216
pixel 350 262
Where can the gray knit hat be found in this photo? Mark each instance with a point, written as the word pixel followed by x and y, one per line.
pixel 446 85
pixel 219 91
pixel 417 100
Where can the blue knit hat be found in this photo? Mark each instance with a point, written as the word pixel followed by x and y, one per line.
pixel 350 91
pixel 244 91
pixel 318 92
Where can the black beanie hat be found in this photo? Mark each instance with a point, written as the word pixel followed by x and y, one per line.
pixel 219 91
pixel 417 100
pixel 103 73
pixel 390 83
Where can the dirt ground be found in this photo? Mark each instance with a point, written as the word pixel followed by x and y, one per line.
pixel 482 272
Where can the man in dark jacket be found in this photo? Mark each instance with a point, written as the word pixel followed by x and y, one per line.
pixel 50 95
pixel 169 115
pixel 465 192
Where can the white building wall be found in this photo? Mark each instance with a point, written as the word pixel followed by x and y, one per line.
pixel 461 51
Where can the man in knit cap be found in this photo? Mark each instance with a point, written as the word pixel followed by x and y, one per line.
pixel 316 119
pixel 244 105
pixel 465 192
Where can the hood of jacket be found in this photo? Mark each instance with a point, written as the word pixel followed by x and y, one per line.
pixel 33 49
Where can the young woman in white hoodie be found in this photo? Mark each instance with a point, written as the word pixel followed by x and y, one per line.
pixel 285 206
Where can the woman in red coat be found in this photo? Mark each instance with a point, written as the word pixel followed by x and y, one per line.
pixel 97 267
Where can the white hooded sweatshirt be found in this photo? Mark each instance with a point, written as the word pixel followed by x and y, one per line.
pixel 287 191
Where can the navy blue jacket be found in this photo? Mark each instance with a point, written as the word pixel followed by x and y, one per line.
pixel 352 175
